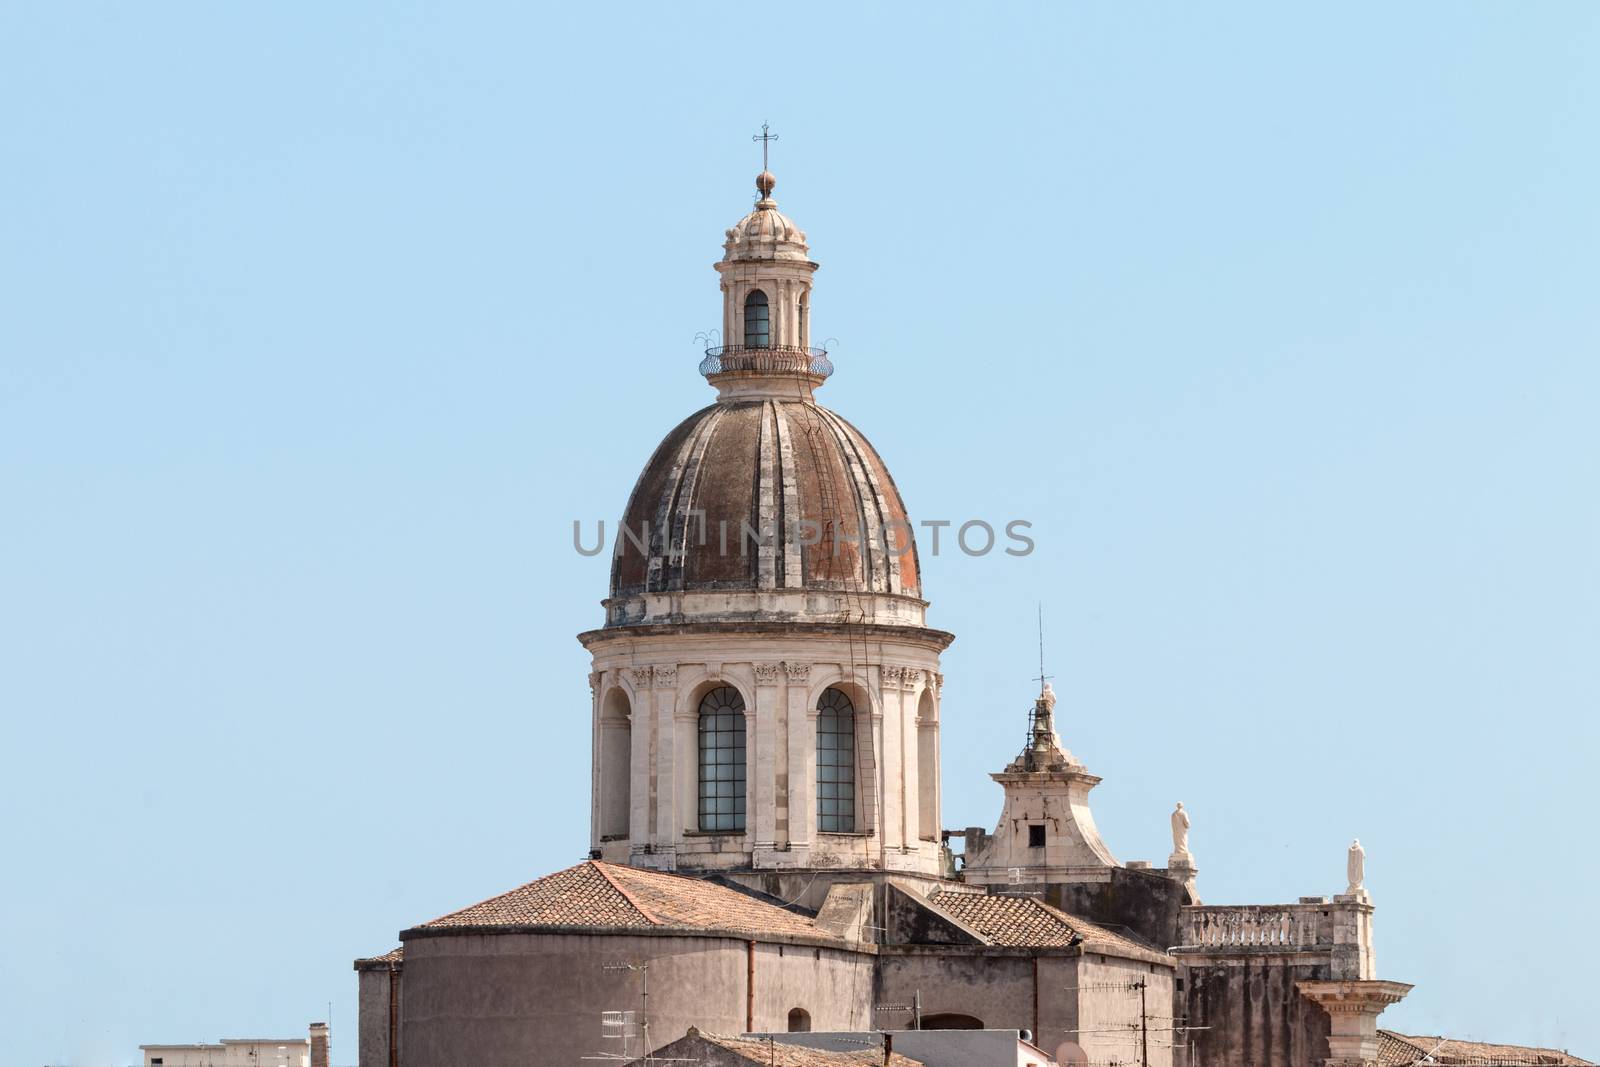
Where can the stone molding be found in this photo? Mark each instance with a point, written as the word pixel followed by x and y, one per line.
pixel 799 673
pixel 594 681
pixel 767 673
pixel 1353 1007
pixel 666 677
pixel 641 677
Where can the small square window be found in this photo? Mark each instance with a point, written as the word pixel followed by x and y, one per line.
pixel 1036 836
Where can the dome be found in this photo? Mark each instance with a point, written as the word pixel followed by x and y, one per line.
pixel 788 467
pixel 764 234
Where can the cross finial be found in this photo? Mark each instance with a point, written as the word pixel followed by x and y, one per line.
pixel 764 137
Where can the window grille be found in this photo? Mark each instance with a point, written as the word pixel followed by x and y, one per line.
pixel 836 763
pixel 722 760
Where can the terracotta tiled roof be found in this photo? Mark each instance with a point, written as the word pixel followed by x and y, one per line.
pixel 605 894
pixel 1401 1050
pixel 1026 922
pixel 394 955
pixel 777 1054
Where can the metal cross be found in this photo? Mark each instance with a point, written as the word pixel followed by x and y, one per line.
pixel 763 137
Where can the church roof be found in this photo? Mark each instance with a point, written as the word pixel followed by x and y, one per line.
pixel 1027 922
pixel 1401 1050
pixel 778 1054
pixel 608 895
pixel 705 514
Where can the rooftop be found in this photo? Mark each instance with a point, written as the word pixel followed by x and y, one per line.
pixel 776 1054
pixel 601 894
pixel 1027 922
pixel 1402 1050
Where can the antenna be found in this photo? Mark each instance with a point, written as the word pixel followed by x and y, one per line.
pixel 1043 677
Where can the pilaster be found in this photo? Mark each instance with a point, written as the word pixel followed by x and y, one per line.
pixel 761 762
pixel 802 764
pixel 664 692
pixel 641 768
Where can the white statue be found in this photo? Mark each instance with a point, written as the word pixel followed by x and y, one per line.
pixel 1048 696
pixel 1356 866
pixel 1180 831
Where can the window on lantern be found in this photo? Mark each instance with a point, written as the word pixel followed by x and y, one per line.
pixel 757 320
pixel 836 763
pixel 722 760
pixel 1036 836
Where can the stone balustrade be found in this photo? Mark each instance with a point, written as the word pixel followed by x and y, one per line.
pixel 1258 927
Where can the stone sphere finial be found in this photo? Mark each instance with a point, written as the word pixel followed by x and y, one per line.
pixel 765 183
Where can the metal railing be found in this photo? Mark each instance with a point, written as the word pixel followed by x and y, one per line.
pixel 771 359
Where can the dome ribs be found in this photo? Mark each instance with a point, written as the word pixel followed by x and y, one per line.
pixel 726 496
pixel 667 545
pixel 790 517
pixel 766 502
pixel 630 566
pixel 902 558
pixel 880 569
pixel 792 477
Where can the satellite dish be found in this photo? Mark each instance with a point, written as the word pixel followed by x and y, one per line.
pixel 1071 1054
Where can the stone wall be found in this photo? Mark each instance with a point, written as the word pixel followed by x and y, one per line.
pixel 377 987
pixel 1247 1013
pixel 1057 994
pixel 1146 902
pixel 487 1000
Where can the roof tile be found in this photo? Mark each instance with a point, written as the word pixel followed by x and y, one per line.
pixel 606 894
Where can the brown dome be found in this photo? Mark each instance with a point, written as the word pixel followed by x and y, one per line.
pixel 789 466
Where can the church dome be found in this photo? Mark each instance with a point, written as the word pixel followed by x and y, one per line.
pixel 765 495
pixel 766 233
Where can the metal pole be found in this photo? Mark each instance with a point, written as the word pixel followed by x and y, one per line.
pixel 1144 1029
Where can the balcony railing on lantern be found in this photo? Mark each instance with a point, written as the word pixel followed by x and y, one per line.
pixel 774 359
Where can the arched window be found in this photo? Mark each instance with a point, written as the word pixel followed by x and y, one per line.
pixel 950 1020
pixel 804 319
pixel 722 760
pixel 757 320
pixel 799 1021
pixel 836 763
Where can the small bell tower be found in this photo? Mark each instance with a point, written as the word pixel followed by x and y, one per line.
pixel 1046 829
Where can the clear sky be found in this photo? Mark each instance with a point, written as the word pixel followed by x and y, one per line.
pixel 320 323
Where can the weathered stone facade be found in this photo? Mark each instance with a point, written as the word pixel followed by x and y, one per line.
pixel 766 835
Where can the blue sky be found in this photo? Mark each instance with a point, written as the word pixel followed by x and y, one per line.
pixel 319 324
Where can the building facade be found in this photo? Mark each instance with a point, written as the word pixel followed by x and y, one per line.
pixel 767 850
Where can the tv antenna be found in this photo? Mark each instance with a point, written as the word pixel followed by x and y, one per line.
pixel 1043 677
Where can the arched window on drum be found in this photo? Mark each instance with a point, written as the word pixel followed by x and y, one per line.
pixel 757 320
pixel 722 760
pixel 836 763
